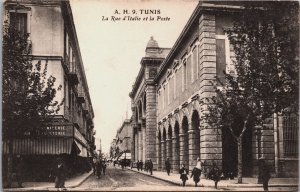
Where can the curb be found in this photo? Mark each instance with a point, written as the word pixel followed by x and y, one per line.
pixel 80 182
pixel 49 188
pixel 251 185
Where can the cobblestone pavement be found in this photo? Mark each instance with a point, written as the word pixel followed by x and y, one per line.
pixel 126 180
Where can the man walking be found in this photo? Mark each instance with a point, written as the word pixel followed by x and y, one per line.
pixel 168 166
pixel 99 168
pixel 60 174
pixel 264 173
pixel 150 166
pixel 138 165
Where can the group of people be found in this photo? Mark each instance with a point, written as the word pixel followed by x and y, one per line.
pixel 99 167
pixel 214 173
pixel 147 167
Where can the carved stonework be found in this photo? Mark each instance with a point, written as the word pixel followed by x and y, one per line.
pixel 152 72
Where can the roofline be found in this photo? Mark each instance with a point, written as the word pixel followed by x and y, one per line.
pixel 178 41
pixel 205 5
pixel 141 73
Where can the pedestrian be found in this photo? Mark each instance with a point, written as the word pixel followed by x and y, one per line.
pixel 196 172
pixel 141 165
pixel 60 174
pixel 104 167
pixel 264 173
pixel 122 162
pixel 99 168
pixel 146 165
pixel 94 165
pixel 215 174
pixel 183 174
pixel 138 165
pixel 19 171
pixel 150 166
pixel 168 166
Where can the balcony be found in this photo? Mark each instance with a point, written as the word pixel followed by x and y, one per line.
pixel 80 98
pixel 73 78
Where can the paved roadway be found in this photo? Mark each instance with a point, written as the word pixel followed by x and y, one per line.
pixel 126 180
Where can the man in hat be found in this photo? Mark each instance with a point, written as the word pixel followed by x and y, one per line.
pixel 263 173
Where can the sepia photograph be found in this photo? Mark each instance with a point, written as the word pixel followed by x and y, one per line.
pixel 150 95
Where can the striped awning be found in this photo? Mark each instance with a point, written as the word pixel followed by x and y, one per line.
pixel 40 146
pixel 83 150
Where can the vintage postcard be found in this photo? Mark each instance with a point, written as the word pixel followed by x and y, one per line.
pixel 150 95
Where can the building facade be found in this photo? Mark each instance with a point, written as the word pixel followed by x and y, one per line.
pixel 181 80
pixel 201 53
pixel 144 105
pixel 53 38
pixel 123 138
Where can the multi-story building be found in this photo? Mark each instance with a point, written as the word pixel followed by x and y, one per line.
pixel 181 79
pixel 53 38
pixel 123 139
pixel 201 53
pixel 143 103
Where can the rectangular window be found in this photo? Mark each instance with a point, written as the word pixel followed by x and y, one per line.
pixel 19 20
pixel 66 89
pixel 220 59
pixel 184 77
pixel 174 85
pixel 163 97
pixel 179 80
pixel 168 92
pixel 188 70
pixel 195 64
pixel 290 135
pixel 166 95
pixel 171 88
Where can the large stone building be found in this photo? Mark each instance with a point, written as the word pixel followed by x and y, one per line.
pixel 123 138
pixel 143 96
pixel 53 38
pixel 201 53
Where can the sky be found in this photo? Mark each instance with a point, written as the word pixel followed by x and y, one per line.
pixel 112 49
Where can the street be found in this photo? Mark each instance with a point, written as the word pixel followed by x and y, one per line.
pixel 117 179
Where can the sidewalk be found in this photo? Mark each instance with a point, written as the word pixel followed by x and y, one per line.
pixel 39 186
pixel 247 181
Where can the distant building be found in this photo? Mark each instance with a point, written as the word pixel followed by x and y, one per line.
pixel 123 139
pixel 144 104
pixel 71 135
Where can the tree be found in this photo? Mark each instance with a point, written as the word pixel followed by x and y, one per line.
pixel 28 92
pixel 265 42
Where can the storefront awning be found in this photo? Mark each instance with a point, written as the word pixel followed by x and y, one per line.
pixel 83 150
pixel 40 146
pixel 125 156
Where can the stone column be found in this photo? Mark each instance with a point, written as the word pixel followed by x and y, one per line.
pixel 163 155
pixel 136 144
pixel 132 151
pixel 144 142
pixel 211 145
pixel 169 150
pixel 140 144
pixel 194 148
pixel 158 153
pixel 175 159
pixel 151 121
pixel 183 150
